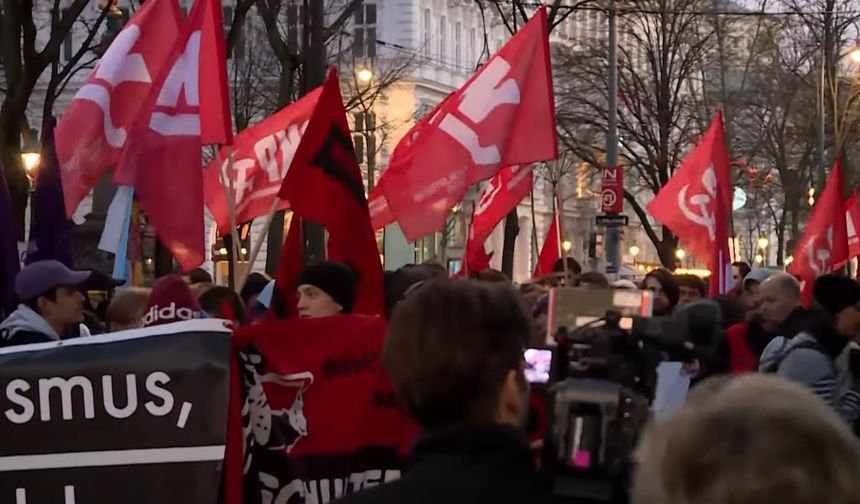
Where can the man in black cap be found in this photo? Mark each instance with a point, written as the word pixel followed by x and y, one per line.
pixel 50 303
pixel 325 289
pixel 810 357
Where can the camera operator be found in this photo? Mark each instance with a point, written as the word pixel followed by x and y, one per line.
pixel 454 351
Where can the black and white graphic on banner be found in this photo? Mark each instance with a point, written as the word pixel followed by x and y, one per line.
pixel 136 417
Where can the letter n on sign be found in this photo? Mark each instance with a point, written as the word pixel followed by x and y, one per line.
pixel 612 189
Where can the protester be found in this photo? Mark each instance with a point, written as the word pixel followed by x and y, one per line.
pixel 690 288
pixel 325 289
pixel 592 279
pixel 51 302
pixel 454 351
pixel 489 275
pixel 199 281
pixel 397 283
pixel 223 302
pixel 171 300
pixel 623 285
pixel 810 357
pixel 748 293
pixel 740 270
pixel 662 284
pixel 752 439
pixel 125 310
pixel 573 269
pixel 255 283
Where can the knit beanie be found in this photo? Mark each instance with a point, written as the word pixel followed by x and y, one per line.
pixel 170 301
pixel 334 278
pixel 835 293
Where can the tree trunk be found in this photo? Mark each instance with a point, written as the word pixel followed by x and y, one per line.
pixel 512 229
pixel 666 250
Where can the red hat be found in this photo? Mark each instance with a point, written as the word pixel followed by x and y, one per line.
pixel 170 301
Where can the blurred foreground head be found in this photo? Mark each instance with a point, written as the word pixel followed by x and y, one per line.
pixel 454 351
pixel 753 439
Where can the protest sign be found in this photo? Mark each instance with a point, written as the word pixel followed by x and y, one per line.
pixel 319 418
pixel 133 417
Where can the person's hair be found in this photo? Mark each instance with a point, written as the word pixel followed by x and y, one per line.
pixel 222 302
pixel 199 276
pixel 743 267
pixel 435 266
pixel 593 277
pixel 254 285
pixel 450 346
pixel 667 282
pixel 748 440
pixel 572 266
pixel 489 275
pixel 33 303
pixel 692 282
pixel 127 306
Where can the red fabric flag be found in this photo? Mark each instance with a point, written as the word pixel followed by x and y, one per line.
pixel 93 131
pixel 288 432
pixel 721 279
pixel 324 185
pixel 687 204
pixel 290 265
pixel 825 242
pixel 551 250
pixel 503 193
pixel 216 119
pixel 261 157
pixel 852 220
pixel 162 157
pixel 504 115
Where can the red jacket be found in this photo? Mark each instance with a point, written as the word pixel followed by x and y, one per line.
pixel 742 358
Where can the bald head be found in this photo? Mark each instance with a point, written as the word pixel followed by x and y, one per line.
pixel 779 295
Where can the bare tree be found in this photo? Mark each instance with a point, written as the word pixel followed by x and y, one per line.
pixel 657 116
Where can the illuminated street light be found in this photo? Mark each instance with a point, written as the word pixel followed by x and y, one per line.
pixel 566 245
pixel 680 254
pixel 31 153
pixel 633 250
pixel 762 243
pixel 759 259
pixel 364 75
pixel 855 53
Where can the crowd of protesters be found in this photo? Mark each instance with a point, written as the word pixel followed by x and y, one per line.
pixel 477 328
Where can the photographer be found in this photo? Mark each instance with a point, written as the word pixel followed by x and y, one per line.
pixel 454 351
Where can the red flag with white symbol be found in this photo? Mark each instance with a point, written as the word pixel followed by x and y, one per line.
pixel 324 185
pixel 852 220
pixel 93 131
pixel 504 115
pixel 825 242
pixel 261 157
pixel 687 204
pixel 502 194
pixel 551 250
pixel 162 158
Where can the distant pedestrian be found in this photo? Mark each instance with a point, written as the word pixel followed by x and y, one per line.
pixel 325 289
pixel 125 310
pixel 170 301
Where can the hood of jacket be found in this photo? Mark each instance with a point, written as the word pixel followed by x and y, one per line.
pixel 25 319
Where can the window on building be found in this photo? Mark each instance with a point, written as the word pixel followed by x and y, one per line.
pixel 458 45
pixel 364 32
pixel 443 37
pixel 473 50
pixel 227 20
pixel 295 25
pixel 427 29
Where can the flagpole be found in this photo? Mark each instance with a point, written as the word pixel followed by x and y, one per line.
pixel 560 238
pixel 228 187
pixel 258 244
pixel 535 250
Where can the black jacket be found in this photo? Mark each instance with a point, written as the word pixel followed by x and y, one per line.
pixel 491 464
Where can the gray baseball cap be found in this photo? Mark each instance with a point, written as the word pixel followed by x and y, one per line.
pixel 39 277
pixel 758 275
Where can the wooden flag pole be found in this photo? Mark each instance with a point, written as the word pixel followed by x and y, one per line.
pixel 258 244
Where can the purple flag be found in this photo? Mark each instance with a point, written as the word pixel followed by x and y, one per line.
pixel 50 231
pixel 9 262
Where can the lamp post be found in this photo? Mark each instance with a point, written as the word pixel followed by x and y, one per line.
pixel 31 157
pixel 613 233
pixel 762 245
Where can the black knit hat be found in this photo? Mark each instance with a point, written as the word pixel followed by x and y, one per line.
pixel 835 293
pixel 334 278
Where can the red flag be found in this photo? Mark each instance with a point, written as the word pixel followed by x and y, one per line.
pixel 261 157
pixel 721 280
pixel 687 204
pixel 503 193
pixel 324 185
pixel 504 115
pixel 551 250
pixel 93 131
pixel 825 242
pixel 216 120
pixel 290 265
pixel 852 220
pixel 162 157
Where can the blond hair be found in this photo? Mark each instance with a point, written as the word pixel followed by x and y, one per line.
pixel 126 309
pixel 753 439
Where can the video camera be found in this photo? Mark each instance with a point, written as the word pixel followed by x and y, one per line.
pixel 603 379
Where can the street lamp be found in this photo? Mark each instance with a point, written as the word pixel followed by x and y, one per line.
pixel 759 259
pixel 364 75
pixel 634 251
pixel 680 254
pixel 566 245
pixel 762 243
pixel 31 153
pixel 855 53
